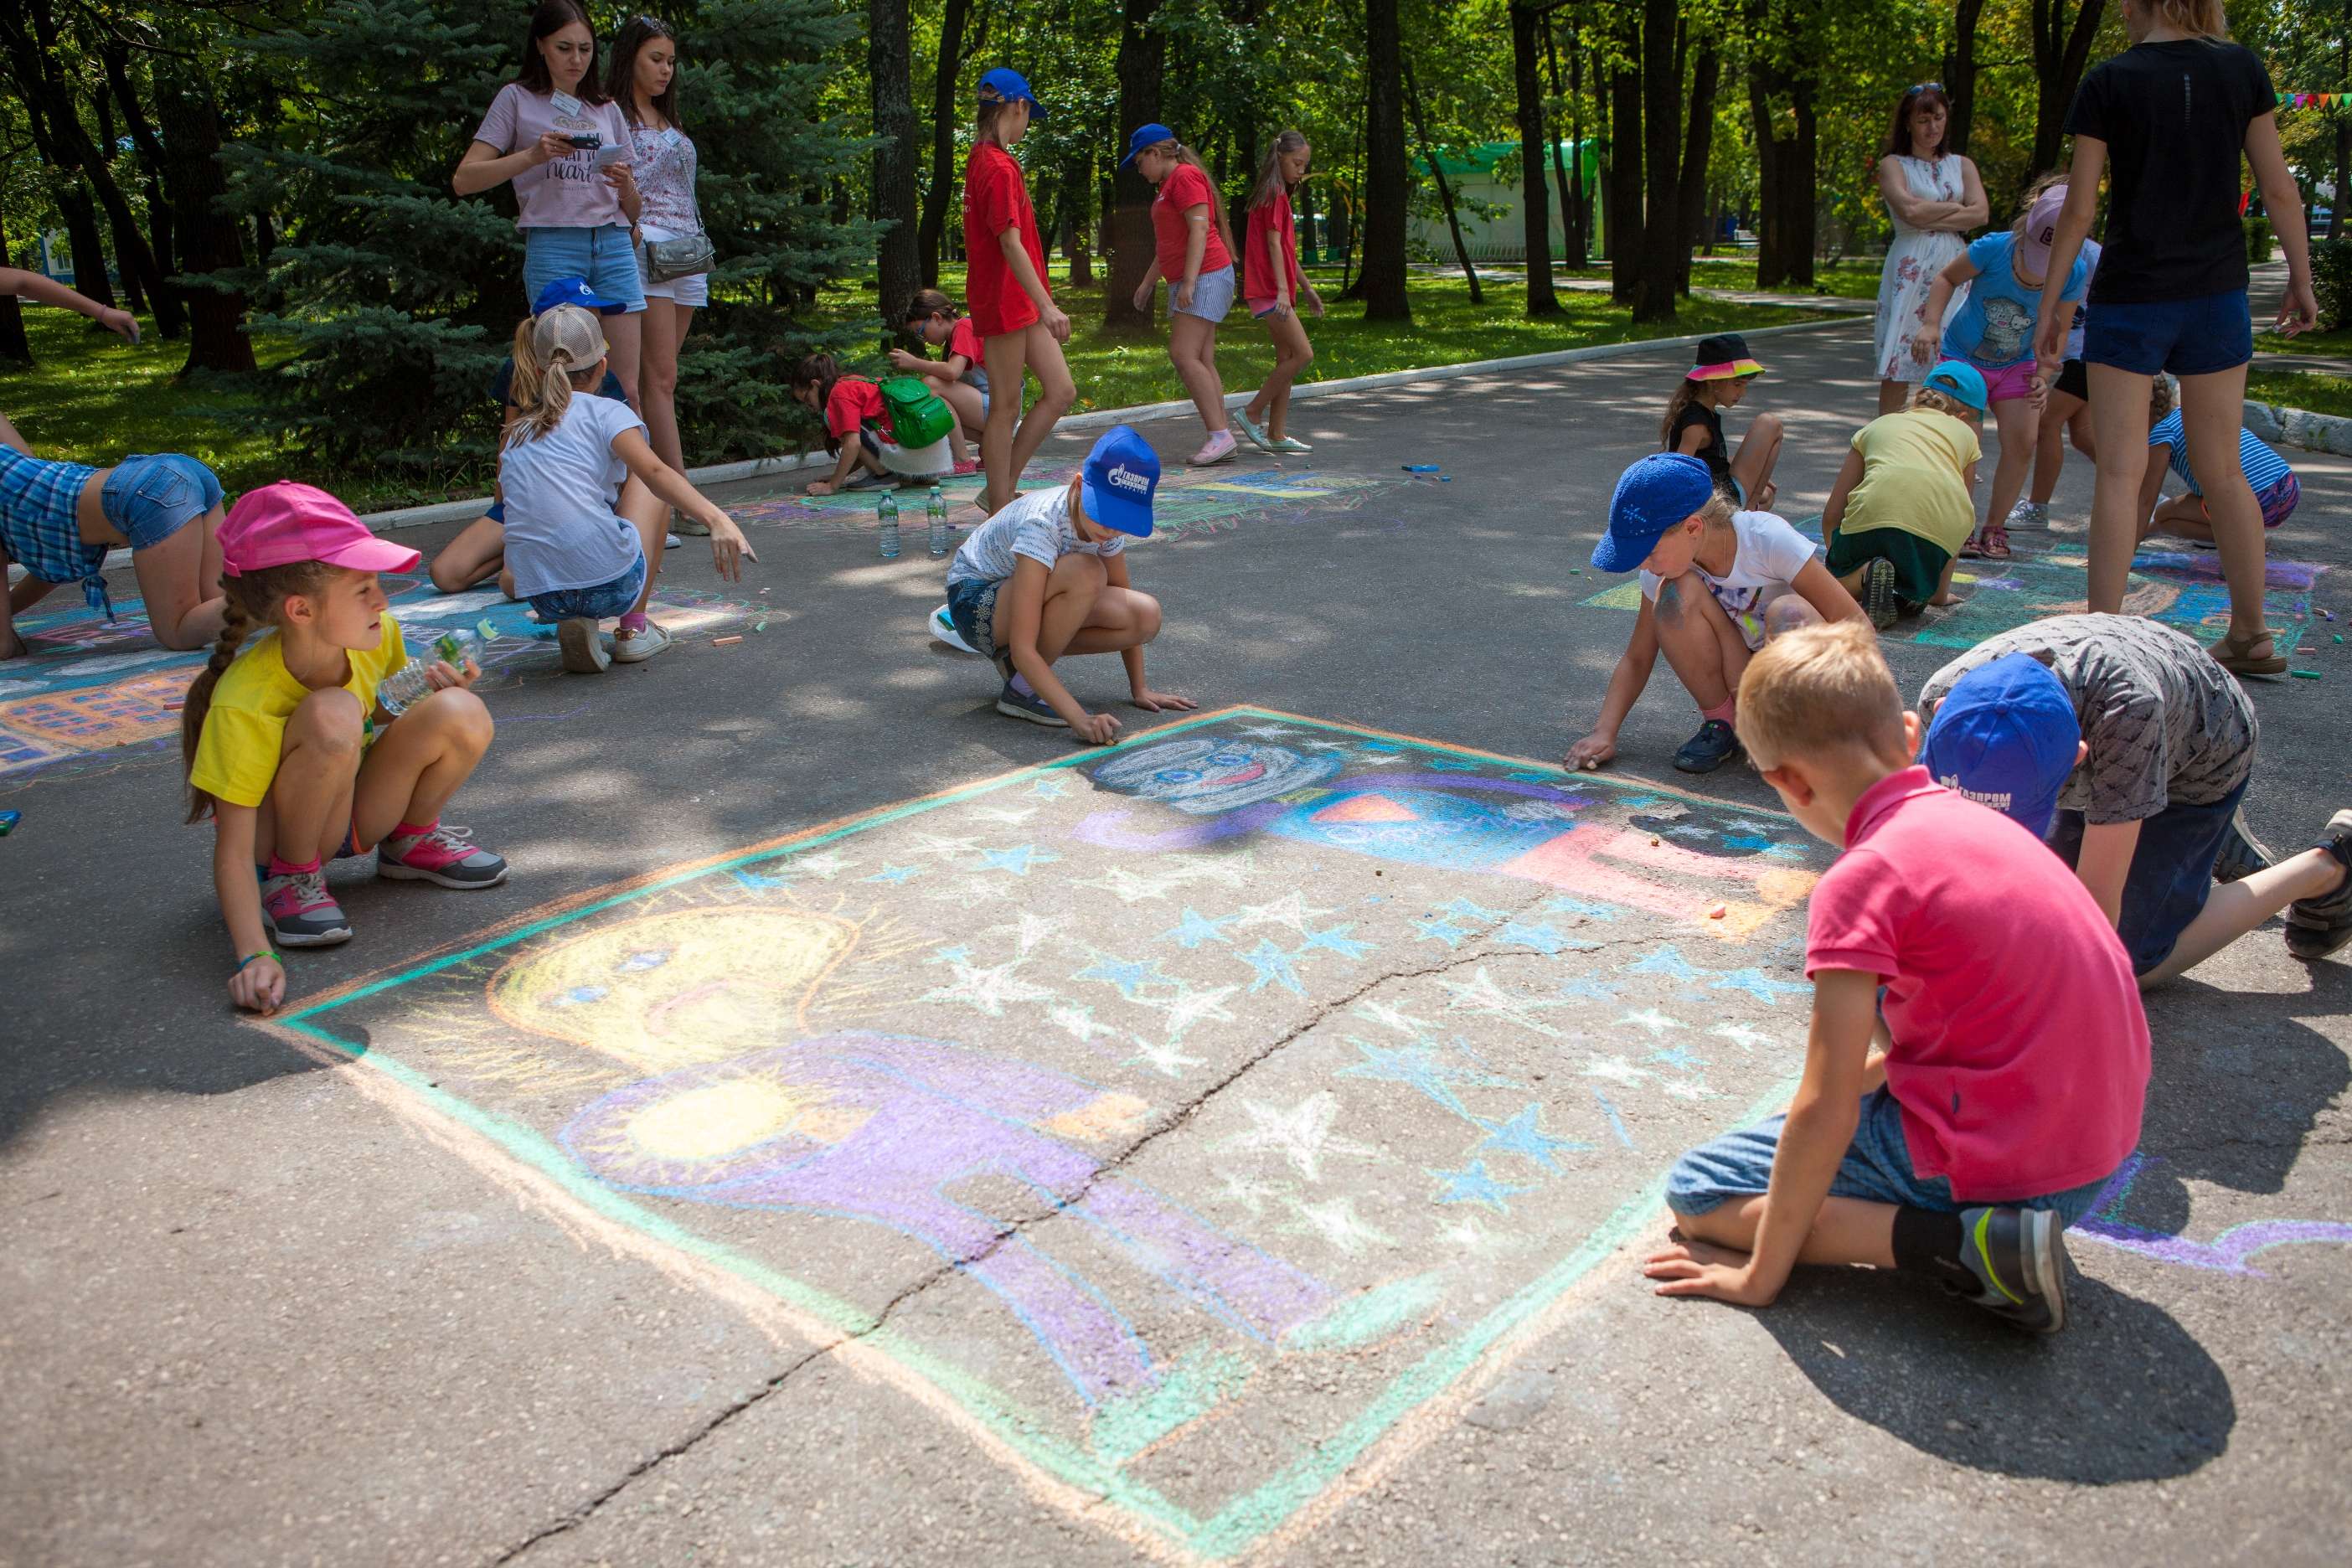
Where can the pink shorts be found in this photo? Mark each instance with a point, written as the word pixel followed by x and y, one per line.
pixel 1261 309
pixel 2009 384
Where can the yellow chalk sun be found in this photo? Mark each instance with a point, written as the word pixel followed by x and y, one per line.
pixel 714 1121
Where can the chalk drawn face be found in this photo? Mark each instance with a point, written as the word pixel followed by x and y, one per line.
pixel 1206 775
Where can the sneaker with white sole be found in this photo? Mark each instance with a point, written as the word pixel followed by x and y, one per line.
pixel 2019 1264
pixel 671 542
pixel 636 648
pixel 582 643
pixel 443 855
pixel 1289 445
pixel 1253 429
pixel 300 913
pixel 2318 927
pixel 1018 704
pixel 1216 449
pixel 1878 593
pixel 2030 514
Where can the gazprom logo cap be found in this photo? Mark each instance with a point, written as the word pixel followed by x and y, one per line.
pixel 2005 736
pixel 1122 475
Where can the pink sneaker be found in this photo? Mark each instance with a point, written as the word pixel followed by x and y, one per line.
pixel 441 856
pixel 967 467
pixel 300 913
pixel 1219 447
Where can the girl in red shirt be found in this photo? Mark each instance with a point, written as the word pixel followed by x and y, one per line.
pixel 1193 251
pixel 1021 328
pixel 857 426
pixel 1272 285
pixel 960 376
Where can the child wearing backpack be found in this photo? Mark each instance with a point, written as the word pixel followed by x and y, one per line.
pixel 861 427
pixel 1021 328
pixel 289 750
pixel 1717 379
pixel 1717 584
pixel 959 376
pixel 1902 505
pixel 2276 489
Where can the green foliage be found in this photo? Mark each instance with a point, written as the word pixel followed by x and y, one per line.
pixel 2331 275
pixel 2258 240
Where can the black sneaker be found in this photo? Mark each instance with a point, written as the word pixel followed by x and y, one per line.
pixel 1879 592
pixel 2242 854
pixel 2317 927
pixel 2018 1263
pixel 1713 745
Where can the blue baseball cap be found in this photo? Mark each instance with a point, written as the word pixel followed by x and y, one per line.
pixel 1954 379
pixel 1657 492
pixel 1122 475
pixel 573 291
pixel 1006 85
pixel 2005 737
pixel 1145 136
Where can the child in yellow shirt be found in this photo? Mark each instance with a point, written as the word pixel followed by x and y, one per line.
pixel 1905 502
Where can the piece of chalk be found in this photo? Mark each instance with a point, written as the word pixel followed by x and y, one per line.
pixel 8 820
pixel 2305 674
pixel 1422 468
pixel 759 625
pixel 722 642
pixel 1717 913
pixel 2339 636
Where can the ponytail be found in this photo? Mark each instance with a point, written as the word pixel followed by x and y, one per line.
pixel 1270 186
pixel 1183 155
pixel 545 411
pixel 1685 393
pixel 567 344
pixel 522 387
pixel 2203 19
pixel 249 603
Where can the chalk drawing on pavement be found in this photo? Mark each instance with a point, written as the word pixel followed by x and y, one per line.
pixel 2231 1252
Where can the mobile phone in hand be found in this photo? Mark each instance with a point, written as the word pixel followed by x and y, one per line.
pixel 586 141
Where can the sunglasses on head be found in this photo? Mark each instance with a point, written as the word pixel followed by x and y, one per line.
pixel 1924 87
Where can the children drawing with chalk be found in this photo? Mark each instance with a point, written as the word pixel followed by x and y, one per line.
pixel 859 431
pixel 1978 1060
pixel 1021 329
pixel 1046 578
pixel 960 376
pixel 2276 489
pixel 58 520
pixel 1272 286
pixel 2172 121
pixel 1717 379
pixel 586 501
pixel 1192 249
pixel 1717 584
pixel 1904 500
pixel 289 750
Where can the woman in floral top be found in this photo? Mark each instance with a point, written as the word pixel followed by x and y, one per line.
pixel 645 84
pixel 1934 196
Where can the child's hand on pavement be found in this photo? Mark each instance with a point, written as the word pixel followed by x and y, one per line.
pixel 1097 729
pixel 259 986
pixel 820 486
pixel 1152 702
pixel 1698 1268
pixel 728 548
pixel 1590 752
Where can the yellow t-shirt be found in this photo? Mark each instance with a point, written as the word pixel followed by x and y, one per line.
pixel 1914 478
pixel 245 728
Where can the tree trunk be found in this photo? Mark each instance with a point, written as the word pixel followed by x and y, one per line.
pixel 1625 225
pixel 891 85
pixel 1534 141
pixel 946 102
pixel 1444 191
pixel 15 346
pixel 2060 55
pixel 1960 74
pixel 210 241
pixel 1698 144
pixel 151 159
pixel 86 243
pixel 1662 253
pixel 1078 179
pixel 1142 59
pixel 1575 220
pixel 1786 155
pixel 1388 179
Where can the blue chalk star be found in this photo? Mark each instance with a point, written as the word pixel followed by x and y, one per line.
pixel 1541 938
pixel 1463 908
pixel 1679 1058
pixel 1524 1135
pixel 1567 906
pixel 1759 985
pixel 1336 940
pixel 1194 930
pixel 1019 861
pixel 1274 968
pixel 1443 931
pixel 1472 1185
pixel 1128 974
pixel 894 874
pixel 1667 960
pixel 1423 1069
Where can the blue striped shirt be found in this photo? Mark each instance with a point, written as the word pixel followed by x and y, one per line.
pixel 39 528
pixel 2264 466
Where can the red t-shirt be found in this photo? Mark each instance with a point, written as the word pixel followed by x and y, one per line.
pixel 854 401
pixel 996 198
pixel 2019 1054
pixel 1185 187
pixel 963 338
pixel 1259 284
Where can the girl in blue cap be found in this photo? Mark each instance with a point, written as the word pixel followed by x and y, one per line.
pixel 1021 328
pixel 1716 582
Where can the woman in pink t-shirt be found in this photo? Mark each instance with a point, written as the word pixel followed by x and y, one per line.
pixel 1272 286
pixel 561 139
pixel 1193 250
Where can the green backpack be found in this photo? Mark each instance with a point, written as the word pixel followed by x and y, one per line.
pixel 918 415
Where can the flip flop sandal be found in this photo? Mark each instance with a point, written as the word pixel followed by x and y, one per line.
pixel 1971 549
pixel 2236 655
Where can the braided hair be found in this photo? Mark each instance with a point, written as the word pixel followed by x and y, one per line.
pixel 252 602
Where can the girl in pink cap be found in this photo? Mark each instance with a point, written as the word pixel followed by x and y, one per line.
pixel 288 750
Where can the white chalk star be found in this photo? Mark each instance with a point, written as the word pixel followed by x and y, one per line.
pixel 1389 1015
pixel 1682 1088
pixel 1166 1059
pixel 1270 731
pixel 1293 911
pixel 827 865
pixel 1301 1134
pixel 1338 1223
pixel 941 843
pixel 1247 1191
pixel 1078 1022
pixel 1740 1035
pixel 1189 1007
pixel 988 989
pixel 1005 813
pixel 1617 1070
pixel 1126 886
pixel 1480 993
pixel 1650 1018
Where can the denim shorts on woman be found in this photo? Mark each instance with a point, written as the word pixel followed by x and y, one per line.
pixel 606 257
pixel 1876 1169
pixel 601 603
pixel 1213 295
pixel 2187 337
pixel 150 499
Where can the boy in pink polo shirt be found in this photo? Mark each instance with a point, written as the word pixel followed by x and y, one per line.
pixel 1957 1127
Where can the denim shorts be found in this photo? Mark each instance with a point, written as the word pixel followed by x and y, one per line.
pixel 602 603
pixel 972 605
pixel 150 499
pixel 2171 872
pixel 1213 295
pixel 2187 337
pixel 606 257
pixel 1876 1169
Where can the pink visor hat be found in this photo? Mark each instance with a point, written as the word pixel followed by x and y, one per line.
pixel 280 525
pixel 2041 229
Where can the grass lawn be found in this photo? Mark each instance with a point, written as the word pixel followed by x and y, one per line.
pixel 2319 393
pixel 90 397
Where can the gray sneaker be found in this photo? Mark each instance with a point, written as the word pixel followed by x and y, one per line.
pixel 1878 593
pixel 300 913
pixel 581 644
pixel 2030 514
pixel 2317 927
pixel 2020 1264
pixel 1031 706
pixel 2242 854
pixel 643 645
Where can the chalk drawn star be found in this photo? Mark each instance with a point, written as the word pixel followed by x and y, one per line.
pixel 1336 940
pixel 1078 1022
pixel 1270 731
pixel 1293 911
pixel 1616 1069
pixel 1127 886
pixel 1541 938
pixel 1129 976
pixel 1020 860
pixel 1034 928
pixel 1301 1135
pixel 1194 930
pixel 1165 1059
pixel 1480 993
pixel 1324 745
pixel 1464 910
pixel 755 882
pixel 1419 1068
pixel 582 996
pixel 1012 815
pixel 1390 1015
pixel 1683 1088
pixel 1439 929
pixel 1567 906
pixel 951 955
pixel 1049 789
pixel 1751 842
pixel 894 874
pixel 1468 1234
pixel 1225 870
pixel 1759 985
pixel 1472 1185
pixel 1748 824
pixel 1247 1191
pixel 1690 830
pixel 638 962
pixel 988 989
pixel 1740 1035
pixel 1338 1223
pixel 1274 967
pixel 1590 990
pixel 943 844
pixel 1650 1018
pixel 1679 1058
pixel 827 865
pixel 1188 1006
pixel 1524 1135
pixel 1667 960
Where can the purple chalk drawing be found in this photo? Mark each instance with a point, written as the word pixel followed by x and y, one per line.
pixel 2228 1253
pixel 884 1128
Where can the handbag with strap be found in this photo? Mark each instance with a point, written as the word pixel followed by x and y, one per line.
pixel 667 261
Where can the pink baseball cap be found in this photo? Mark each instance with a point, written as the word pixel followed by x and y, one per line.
pixel 2042 227
pixel 285 522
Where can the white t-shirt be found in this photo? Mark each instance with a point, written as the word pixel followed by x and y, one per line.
pixel 1771 555
pixel 1037 526
pixel 561 529
pixel 570 192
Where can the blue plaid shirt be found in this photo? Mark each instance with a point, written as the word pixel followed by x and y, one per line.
pixel 39 528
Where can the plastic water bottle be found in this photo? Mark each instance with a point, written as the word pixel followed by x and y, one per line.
pixel 938 508
pixel 408 683
pixel 886 509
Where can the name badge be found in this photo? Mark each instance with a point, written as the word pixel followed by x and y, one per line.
pixel 564 103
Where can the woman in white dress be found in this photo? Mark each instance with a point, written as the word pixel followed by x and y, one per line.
pixel 1934 197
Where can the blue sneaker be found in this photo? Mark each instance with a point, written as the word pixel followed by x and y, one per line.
pixel 1030 706
pixel 1713 745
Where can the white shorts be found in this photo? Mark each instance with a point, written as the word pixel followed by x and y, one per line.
pixel 916 462
pixel 692 290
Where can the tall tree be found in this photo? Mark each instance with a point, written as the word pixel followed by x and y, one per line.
pixel 1388 178
pixel 946 106
pixel 1665 246
pixel 1699 145
pixel 1444 191
pixel 1781 72
pixel 1143 61
pixel 891 88
pixel 1623 223
pixel 1527 72
pixel 1573 201
pixel 1960 73
pixel 2062 50
pixel 211 242
pixel 116 56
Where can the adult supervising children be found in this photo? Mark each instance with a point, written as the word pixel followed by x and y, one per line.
pixel 1934 196
pixel 1193 250
pixel 1021 330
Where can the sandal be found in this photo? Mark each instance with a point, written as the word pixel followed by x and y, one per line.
pixel 2236 655
pixel 1994 546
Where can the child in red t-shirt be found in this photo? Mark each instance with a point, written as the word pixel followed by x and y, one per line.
pixel 1021 328
pixel 1957 1126
pixel 960 377
pixel 1272 285
pixel 857 427
pixel 1192 251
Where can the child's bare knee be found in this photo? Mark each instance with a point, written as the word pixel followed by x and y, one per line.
pixel 1147 617
pixel 1057 393
pixel 328 720
pixel 1767 424
pixel 1785 614
pixel 1080 569
pixel 1303 358
pixel 461 717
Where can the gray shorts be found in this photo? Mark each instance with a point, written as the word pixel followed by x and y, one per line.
pixel 1213 295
